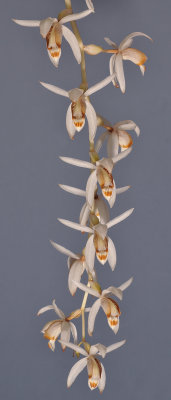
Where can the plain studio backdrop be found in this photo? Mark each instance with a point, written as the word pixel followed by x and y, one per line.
pixel 33 135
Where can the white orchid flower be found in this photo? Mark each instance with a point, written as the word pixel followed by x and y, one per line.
pixel 99 243
pixel 116 136
pixel 109 306
pixel 53 30
pixel 101 173
pixel 80 107
pixel 76 265
pixel 63 327
pixel 125 52
pixel 95 368
pixel 100 207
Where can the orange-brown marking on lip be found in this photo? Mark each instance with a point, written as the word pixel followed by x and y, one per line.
pixel 107 193
pixel 54 54
pixel 46 336
pixel 102 256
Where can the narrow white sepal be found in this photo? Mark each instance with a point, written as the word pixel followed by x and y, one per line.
pixel 55 89
pixel 99 85
pixel 73 190
pixel 63 250
pixel 75 17
pixel 28 23
pixel 74 225
pixel 73 347
pixel 77 163
pixel 126 284
pixel 120 218
pixel 87 289
pixel 115 346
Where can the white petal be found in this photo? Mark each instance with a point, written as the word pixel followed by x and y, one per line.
pixel 112 145
pixel 98 348
pixel 122 189
pixel 75 94
pixel 127 41
pixel 115 346
pixel 102 382
pixel 74 347
pixel 113 290
pixel 63 250
pixel 77 163
pixel 99 86
pixel 90 188
pixel 57 310
pixel 92 316
pixel 73 331
pixel 75 274
pixel 65 333
pixel 101 229
pixel 75 371
pixel 29 23
pixel 120 218
pixel 90 253
pixel 120 72
pixel 90 5
pixel 103 209
pixel 100 141
pixel 128 125
pixel 110 43
pixel 73 190
pixel 55 89
pixel 45 25
pixel 84 214
pixel 113 197
pixel 112 69
pixel 111 254
pixel 69 124
pixel 92 120
pixel 142 69
pixel 75 17
pixel 87 289
pixel 44 309
pixel 73 42
pixel 126 284
pixel 74 225
pixel 122 155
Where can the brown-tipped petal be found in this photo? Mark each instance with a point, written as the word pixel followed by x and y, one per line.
pixel 134 55
pixel 125 139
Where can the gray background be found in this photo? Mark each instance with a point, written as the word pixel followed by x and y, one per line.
pixel 33 135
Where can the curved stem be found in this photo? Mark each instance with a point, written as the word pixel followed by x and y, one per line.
pixel 84 84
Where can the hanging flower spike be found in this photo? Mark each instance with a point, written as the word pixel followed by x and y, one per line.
pixel 63 327
pixel 95 369
pixel 116 136
pixel 101 173
pixel 125 52
pixel 76 265
pixel 100 208
pixel 79 107
pixel 53 30
pixel 109 306
pixel 99 242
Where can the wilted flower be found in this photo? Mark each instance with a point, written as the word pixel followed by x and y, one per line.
pixel 53 29
pixel 76 266
pixel 80 107
pixel 98 241
pixel 100 208
pixel 95 368
pixel 102 173
pixel 63 326
pixel 116 136
pixel 109 306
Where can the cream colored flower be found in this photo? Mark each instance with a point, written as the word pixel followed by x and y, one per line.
pixel 53 30
pixel 101 173
pixel 99 243
pixel 62 327
pixel 116 136
pixel 80 107
pixel 95 368
pixel 109 306
pixel 125 52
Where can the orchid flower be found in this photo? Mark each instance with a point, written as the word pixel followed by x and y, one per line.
pixel 63 327
pixel 116 136
pixel 125 52
pixel 95 368
pixel 98 241
pixel 80 107
pixel 76 265
pixel 100 208
pixel 101 173
pixel 109 306
pixel 53 30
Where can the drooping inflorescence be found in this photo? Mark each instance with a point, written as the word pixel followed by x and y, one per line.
pixel 99 194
